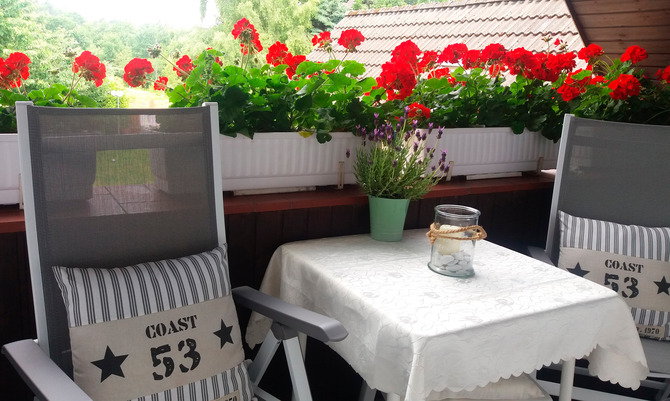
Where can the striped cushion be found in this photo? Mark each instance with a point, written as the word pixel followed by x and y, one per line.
pixel 163 330
pixel 632 260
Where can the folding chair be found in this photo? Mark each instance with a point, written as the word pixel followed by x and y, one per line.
pixel 611 200
pixel 128 259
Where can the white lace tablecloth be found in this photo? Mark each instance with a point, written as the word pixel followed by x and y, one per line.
pixel 412 331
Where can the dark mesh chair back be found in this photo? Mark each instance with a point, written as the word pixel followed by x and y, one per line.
pixel 114 187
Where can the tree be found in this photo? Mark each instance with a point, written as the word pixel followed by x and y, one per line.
pixel 17 29
pixel 287 21
pixel 328 14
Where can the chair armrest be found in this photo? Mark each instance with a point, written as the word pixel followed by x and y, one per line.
pixel 46 380
pixel 539 254
pixel 305 321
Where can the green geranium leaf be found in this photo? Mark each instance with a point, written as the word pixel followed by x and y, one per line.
pixel 258 83
pixel 234 97
pixel 308 68
pixel 258 101
pixel 323 136
pixel 367 84
pixel 340 79
pixel 517 126
pixel 330 65
pixel 321 99
pixel 353 67
pixel 581 75
pixel 303 103
pixel 86 101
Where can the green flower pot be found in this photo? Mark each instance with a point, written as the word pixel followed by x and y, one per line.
pixel 387 218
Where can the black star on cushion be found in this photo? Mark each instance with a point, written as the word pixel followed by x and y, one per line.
pixel 578 271
pixel 224 334
pixel 110 365
pixel 663 286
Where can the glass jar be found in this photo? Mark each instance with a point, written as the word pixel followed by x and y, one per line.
pixel 453 236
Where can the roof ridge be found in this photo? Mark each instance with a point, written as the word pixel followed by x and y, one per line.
pixel 479 19
pixel 428 6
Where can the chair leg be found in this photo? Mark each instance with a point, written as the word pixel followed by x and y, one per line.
pixel 665 393
pixel 294 359
pixel 567 380
pixel 296 367
pixel 367 393
pixel 265 354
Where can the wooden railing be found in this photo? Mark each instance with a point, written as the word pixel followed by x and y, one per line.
pixel 515 214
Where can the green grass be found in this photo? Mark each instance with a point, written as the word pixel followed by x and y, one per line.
pixel 123 167
pixel 113 166
pixel 142 98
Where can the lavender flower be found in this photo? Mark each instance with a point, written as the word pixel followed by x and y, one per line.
pixel 440 131
pixel 395 162
pixel 348 153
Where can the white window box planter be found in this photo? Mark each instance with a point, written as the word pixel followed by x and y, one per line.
pixel 285 160
pixel 492 151
pixel 9 169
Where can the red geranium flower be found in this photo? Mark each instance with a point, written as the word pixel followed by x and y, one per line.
pixel 442 72
pixel 418 110
pixel 398 80
pixel 293 63
pixel 13 70
pixel 452 53
pixel 277 54
pixel 351 39
pixel 624 87
pixel 161 84
pixel 406 53
pixel 89 67
pixel 590 53
pixel 473 59
pixel 562 62
pixel 572 88
pixel 248 36
pixel 493 52
pixel 568 92
pixel 664 74
pixel 520 61
pixel 428 61
pixel 184 67
pixel 634 54
pixel 136 71
pixel 242 27
pixel 321 39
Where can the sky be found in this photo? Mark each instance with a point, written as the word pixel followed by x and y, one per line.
pixel 181 14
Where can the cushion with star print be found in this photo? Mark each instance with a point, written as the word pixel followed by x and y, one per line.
pixel 632 260
pixel 164 330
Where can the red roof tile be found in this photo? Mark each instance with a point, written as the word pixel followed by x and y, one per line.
pixel 477 23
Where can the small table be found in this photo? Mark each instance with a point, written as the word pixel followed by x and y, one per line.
pixel 412 331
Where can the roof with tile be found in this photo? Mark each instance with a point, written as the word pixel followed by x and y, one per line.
pixel 477 23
